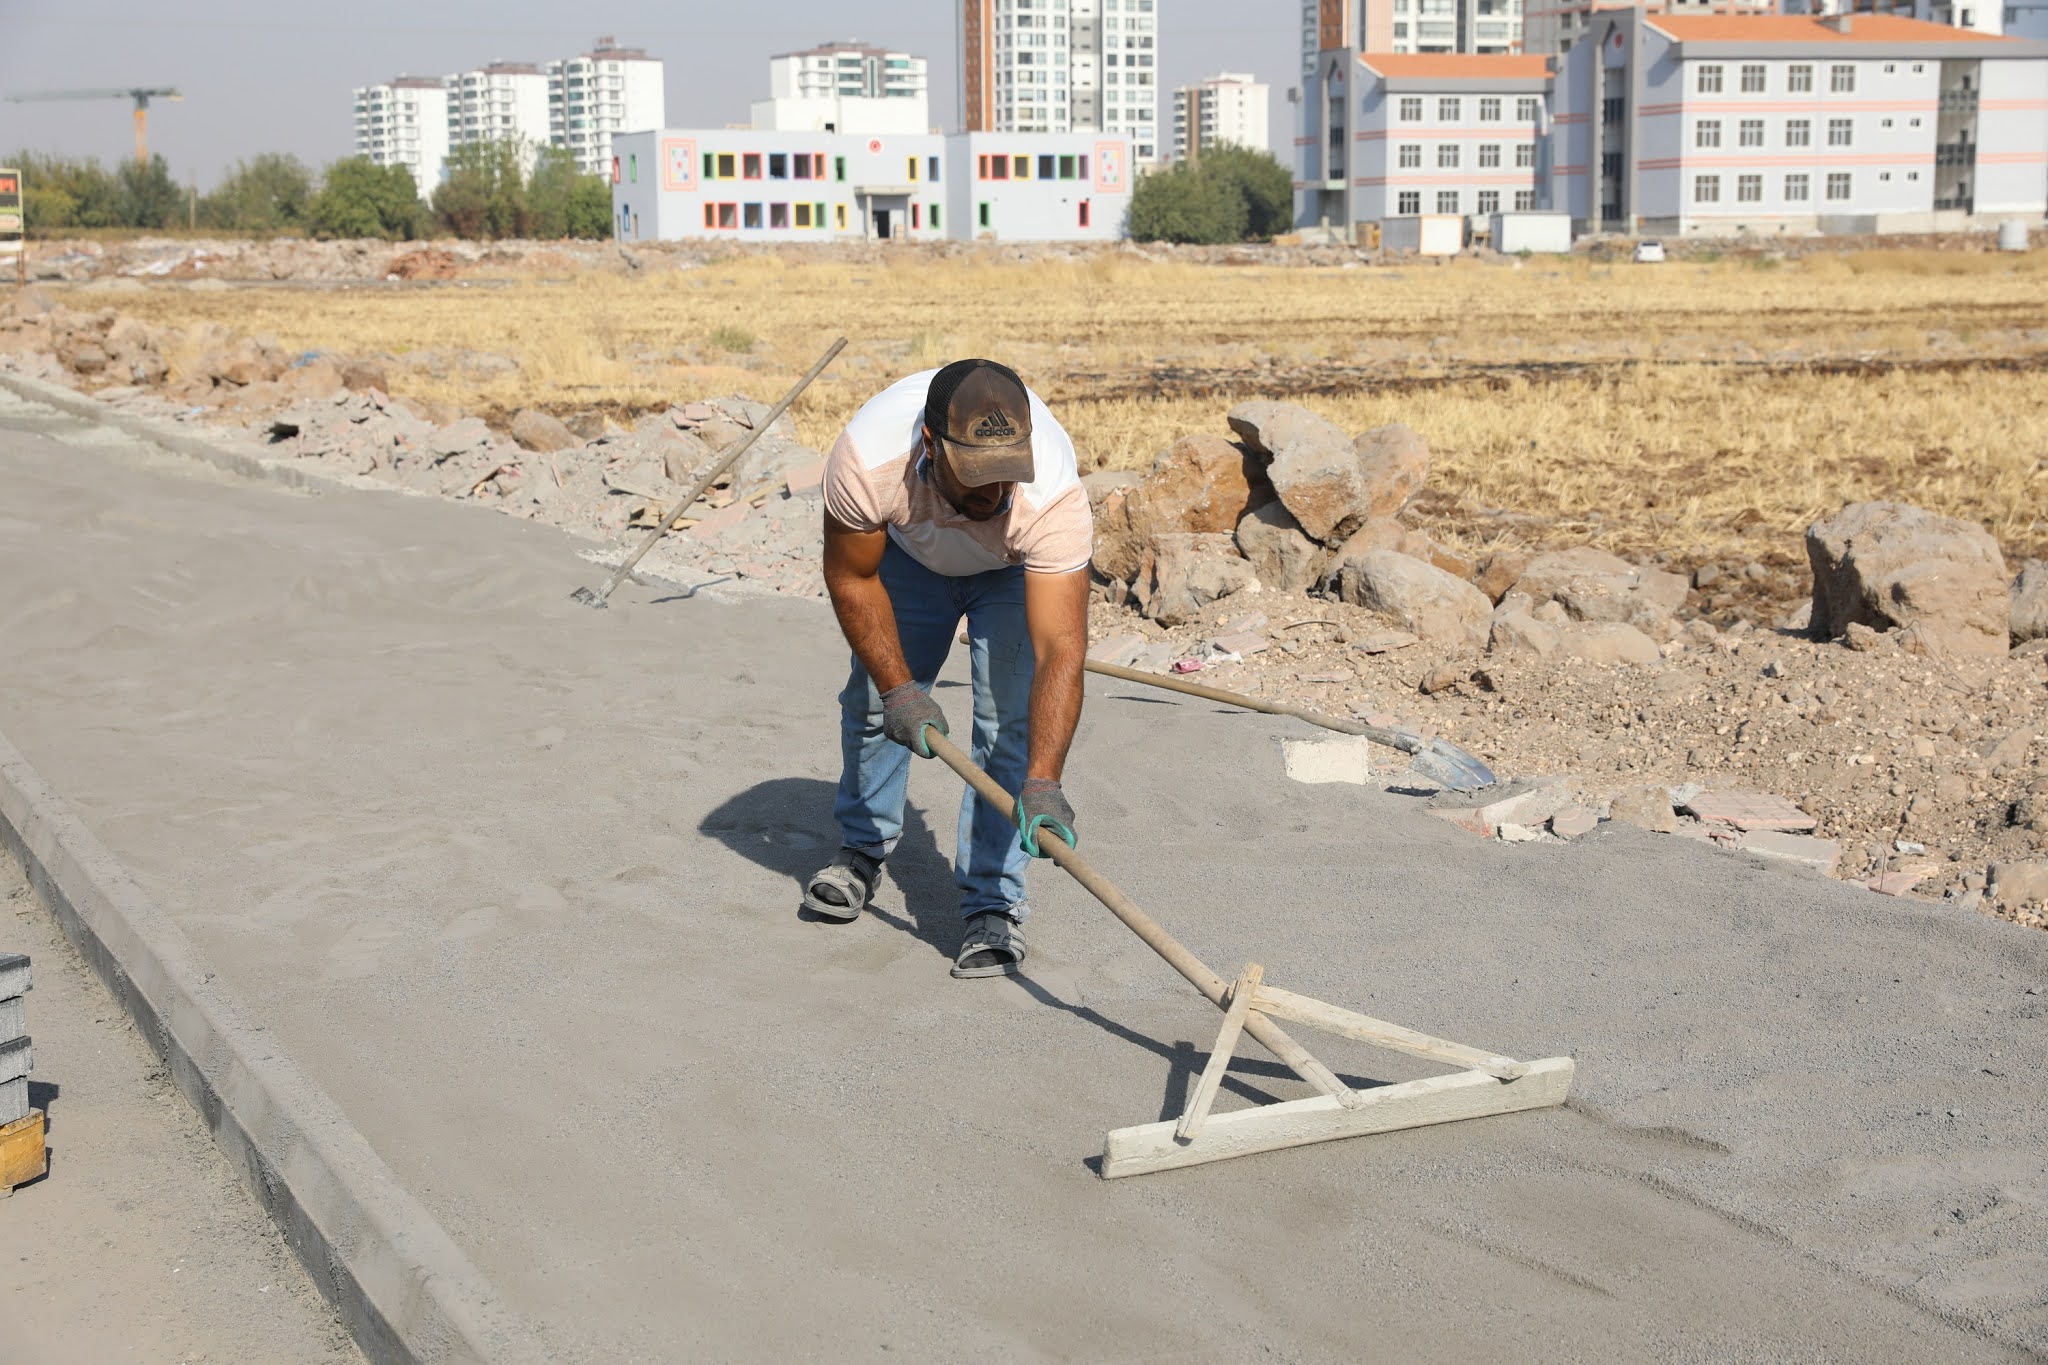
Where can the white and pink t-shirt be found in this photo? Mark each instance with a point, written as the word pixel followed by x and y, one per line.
pixel 872 480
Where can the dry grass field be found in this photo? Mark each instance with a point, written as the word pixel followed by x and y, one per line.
pixel 1707 409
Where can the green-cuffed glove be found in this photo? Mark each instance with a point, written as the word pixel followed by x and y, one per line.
pixel 906 712
pixel 1043 803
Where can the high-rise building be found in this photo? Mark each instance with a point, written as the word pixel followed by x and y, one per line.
pixel 405 123
pixel 1979 16
pixel 607 90
pixel 1550 27
pixel 1475 27
pixel 1225 110
pixel 845 88
pixel 502 102
pixel 1058 66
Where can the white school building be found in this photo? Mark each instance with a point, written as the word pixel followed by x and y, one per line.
pixel 1691 125
pixel 761 186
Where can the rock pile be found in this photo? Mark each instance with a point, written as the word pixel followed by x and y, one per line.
pixel 1295 504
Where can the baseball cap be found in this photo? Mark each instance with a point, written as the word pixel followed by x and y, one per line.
pixel 981 413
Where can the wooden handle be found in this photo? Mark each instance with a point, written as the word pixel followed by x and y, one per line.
pixel 1197 973
pixel 1407 744
pixel 689 499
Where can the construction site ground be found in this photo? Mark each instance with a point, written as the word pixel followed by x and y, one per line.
pixel 516 883
pixel 137 1245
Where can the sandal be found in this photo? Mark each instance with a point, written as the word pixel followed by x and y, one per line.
pixel 842 890
pixel 993 946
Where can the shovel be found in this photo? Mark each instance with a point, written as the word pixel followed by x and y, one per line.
pixel 596 598
pixel 1439 760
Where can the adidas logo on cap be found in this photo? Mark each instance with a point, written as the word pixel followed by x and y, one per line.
pixel 997 426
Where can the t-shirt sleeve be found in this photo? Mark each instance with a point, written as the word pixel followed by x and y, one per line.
pixel 1062 537
pixel 850 496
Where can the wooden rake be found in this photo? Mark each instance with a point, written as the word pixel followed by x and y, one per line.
pixel 1485 1083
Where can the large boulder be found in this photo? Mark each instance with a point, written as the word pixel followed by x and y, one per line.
pixel 1103 482
pixel 1419 597
pixel 541 431
pixel 1394 463
pixel 1280 553
pixel 1384 533
pixel 1186 571
pixel 1592 585
pixel 2028 618
pixel 1331 483
pixel 1886 565
pixel 1200 485
pixel 250 362
pixel 1514 630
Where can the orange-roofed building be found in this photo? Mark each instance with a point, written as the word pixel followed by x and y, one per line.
pixel 1702 124
pixel 1445 134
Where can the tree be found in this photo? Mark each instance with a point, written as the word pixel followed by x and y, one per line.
pixel 145 196
pixel 1181 204
pixel 361 199
pixel 484 192
pixel 1266 186
pixel 1232 194
pixel 59 194
pixel 264 195
pixel 590 208
pixel 489 193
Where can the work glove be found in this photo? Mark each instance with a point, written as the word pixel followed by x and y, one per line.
pixel 1042 803
pixel 906 711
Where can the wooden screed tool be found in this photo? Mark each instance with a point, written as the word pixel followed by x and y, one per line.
pixel 596 598
pixel 1484 1083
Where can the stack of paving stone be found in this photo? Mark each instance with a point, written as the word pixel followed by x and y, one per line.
pixel 21 1128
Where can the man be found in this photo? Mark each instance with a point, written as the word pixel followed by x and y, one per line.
pixel 953 493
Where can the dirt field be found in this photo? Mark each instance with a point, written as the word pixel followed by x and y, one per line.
pixel 1705 410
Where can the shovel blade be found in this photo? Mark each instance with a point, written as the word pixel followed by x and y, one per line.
pixel 1449 766
pixel 587 598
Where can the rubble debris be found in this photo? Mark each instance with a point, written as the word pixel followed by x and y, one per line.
pixel 1820 854
pixel 1594 586
pixel 1748 810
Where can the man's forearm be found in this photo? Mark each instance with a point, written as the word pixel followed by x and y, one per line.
pixel 869 622
pixel 1056 690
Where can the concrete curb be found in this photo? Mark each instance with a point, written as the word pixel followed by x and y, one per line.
pixel 403 1289
pixel 235 458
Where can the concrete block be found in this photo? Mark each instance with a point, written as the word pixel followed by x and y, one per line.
pixel 1525 801
pixel 16 1058
pixel 1155 657
pixel 1345 758
pixel 1799 848
pixel 1118 649
pixel 11 1017
pixel 804 479
pixel 1750 810
pixel 1573 821
pixel 14 975
pixel 13 1100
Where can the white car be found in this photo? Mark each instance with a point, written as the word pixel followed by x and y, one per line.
pixel 1649 253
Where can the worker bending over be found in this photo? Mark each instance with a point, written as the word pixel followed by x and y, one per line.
pixel 953 493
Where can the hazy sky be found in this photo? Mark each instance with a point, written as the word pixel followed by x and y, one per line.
pixel 275 75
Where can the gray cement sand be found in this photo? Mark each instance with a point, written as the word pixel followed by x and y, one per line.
pixel 516 882
pixel 138 1245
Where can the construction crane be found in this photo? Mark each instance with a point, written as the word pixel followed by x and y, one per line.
pixel 142 95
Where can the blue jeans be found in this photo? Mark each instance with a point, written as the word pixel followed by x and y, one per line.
pixel 988 864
